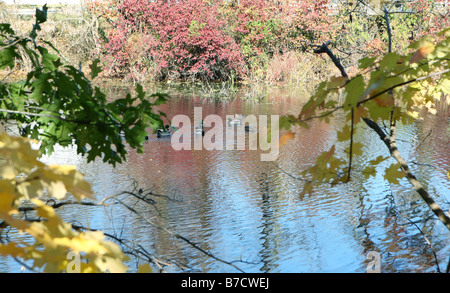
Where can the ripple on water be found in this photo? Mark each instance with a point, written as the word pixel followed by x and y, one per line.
pixel 237 207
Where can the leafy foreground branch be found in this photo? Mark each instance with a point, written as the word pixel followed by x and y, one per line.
pixel 25 178
pixel 392 89
pixel 40 220
pixel 57 104
pixel 391 144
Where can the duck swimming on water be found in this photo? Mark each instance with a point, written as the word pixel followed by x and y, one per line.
pixel 199 129
pixel 164 132
pixel 237 120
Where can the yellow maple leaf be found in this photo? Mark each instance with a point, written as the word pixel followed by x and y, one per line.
pixel 421 53
pixel 283 139
pixel 72 179
pixel 392 174
pixel 360 112
pixel 344 134
pixel 145 268
pixel 12 249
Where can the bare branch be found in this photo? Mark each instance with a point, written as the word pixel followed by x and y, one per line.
pixel 324 49
pixel 176 235
pixel 418 187
pixel 391 143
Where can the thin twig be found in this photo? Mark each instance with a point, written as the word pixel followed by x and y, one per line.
pixel 388 27
pixel 350 155
pixel 391 143
pixel 176 235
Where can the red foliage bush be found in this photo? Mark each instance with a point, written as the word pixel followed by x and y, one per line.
pixel 182 39
pixel 219 39
pixel 206 39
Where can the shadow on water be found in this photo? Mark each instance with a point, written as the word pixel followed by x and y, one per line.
pixel 242 209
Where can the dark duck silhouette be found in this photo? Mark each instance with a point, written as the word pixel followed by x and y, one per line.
pixel 199 129
pixel 164 132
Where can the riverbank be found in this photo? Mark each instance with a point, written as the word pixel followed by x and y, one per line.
pixel 272 51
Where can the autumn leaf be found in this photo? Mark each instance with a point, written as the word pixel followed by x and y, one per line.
pixel 344 134
pixel 360 112
pixel 385 100
pixel 12 249
pixel 72 179
pixel 357 149
pixel 421 53
pixel 145 268
pixel 307 189
pixel 283 140
pixel 329 154
pixel 371 169
pixel 392 174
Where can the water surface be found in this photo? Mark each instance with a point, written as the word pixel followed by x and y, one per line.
pixel 249 212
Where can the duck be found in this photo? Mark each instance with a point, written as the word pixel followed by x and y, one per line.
pixel 163 132
pixel 251 128
pixel 199 129
pixel 237 120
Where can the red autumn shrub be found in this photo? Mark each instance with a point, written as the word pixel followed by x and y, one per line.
pixel 312 23
pixel 219 39
pixel 429 17
pixel 256 25
pixel 182 39
pixel 211 39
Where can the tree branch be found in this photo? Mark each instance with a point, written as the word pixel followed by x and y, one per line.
pixel 176 235
pixel 391 143
pixel 55 117
pixel 324 49
pixel 418 187
pixel 388 27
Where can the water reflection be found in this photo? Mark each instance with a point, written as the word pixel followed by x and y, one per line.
pixel 241 209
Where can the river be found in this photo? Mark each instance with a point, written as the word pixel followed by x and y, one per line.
pixel 250 213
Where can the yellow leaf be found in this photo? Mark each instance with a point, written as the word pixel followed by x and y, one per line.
pixel 72 179
pixel 307 189
pixel 344 134
pixel 8 172
pixel 378 160
pixel 110 264
pixel 356 149
pixel 12 249
pixel 283 140
pixel 448 174
pixel 369 171
pixel 145 268
pixel 421 53
pixel 393 173
pixel 57 189
pixel 31 188
pixel 19 153
pixel 329 154
pixel 6 196
pixel 413 114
